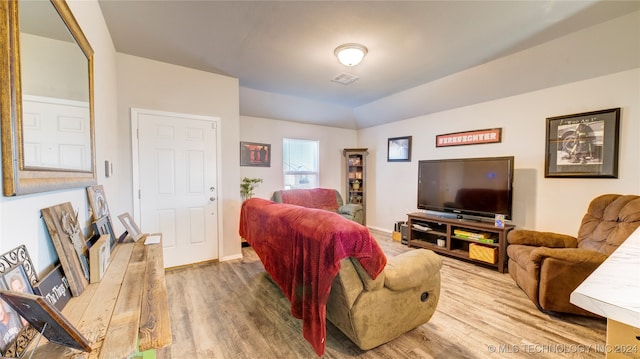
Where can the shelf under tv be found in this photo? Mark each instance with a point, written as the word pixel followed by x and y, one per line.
pixel 457 246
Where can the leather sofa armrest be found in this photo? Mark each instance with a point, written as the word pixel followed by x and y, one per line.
pixel 541 239
pixel 580 256
pixel 561 272
pixel 411 269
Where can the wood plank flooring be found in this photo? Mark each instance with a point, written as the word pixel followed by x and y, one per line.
pixel 232 310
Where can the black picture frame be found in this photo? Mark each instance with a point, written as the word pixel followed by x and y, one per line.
pixel 103 226
pixel 399 149
pixel 255 154
pixel 46 319
pixel 54 288
pixel 583 145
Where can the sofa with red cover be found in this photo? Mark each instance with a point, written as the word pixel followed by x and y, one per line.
pixel 332 268
pixel 321 198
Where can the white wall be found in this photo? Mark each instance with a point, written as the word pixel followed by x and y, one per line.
pixel 332 141
pixel 153 85
pixel 39 55
pixel 550 204
pixel 20 216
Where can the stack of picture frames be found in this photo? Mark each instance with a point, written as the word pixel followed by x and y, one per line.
pixel 83 261
pixel 103 242
pixel 16 274
pixel 27 304
pixel 29 307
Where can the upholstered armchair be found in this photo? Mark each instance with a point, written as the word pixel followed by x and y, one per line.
pixel 549 266
pixel 372 312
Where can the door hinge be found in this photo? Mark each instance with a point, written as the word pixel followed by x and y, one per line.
pixel 139 194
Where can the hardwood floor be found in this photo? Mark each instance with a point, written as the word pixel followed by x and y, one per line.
pixel 232 310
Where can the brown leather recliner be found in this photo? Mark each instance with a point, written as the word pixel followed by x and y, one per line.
pixel 549 266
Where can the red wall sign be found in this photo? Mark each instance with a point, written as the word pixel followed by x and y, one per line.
pixel 492 135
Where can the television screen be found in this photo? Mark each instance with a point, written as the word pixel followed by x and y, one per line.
pixel 468 186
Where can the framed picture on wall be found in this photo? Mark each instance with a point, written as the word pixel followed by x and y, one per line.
pixel 399 149
pixel 255 154
pixel 583 145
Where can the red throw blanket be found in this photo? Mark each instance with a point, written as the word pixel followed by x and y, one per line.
pixel 321 198
pixel 301 248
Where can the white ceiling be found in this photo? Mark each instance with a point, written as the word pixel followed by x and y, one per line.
pixel 282 51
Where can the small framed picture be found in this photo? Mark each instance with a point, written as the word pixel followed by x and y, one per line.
pixel 99 255
pixel 255 154
pixel 16 280
pixel 12 325
pixel 97 201
pixel 131 226
pixel 583 145
pixel 399 149
pixel 103 226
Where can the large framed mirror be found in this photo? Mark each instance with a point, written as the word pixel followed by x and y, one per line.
pixel 46 99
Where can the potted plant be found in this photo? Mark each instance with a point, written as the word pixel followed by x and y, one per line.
pixel 247 186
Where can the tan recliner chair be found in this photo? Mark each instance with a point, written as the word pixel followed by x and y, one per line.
pixel 373 312
pixel 549 266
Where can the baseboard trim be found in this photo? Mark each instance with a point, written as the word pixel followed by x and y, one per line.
pixel 383 230
pixel 230 258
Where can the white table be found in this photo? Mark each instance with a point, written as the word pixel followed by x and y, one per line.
pixel 613 291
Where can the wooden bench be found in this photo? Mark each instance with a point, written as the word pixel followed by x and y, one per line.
pixel 126 312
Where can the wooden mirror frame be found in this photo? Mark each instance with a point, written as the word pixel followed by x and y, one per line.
pixel 18 179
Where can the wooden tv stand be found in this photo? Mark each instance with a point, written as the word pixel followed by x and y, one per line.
pixel 125 313
pixel 424 230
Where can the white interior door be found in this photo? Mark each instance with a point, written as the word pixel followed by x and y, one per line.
pixel 177 176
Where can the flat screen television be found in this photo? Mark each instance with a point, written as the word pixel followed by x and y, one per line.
pixel 479 187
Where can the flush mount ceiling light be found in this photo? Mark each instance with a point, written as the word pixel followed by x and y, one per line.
pixel 350 54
